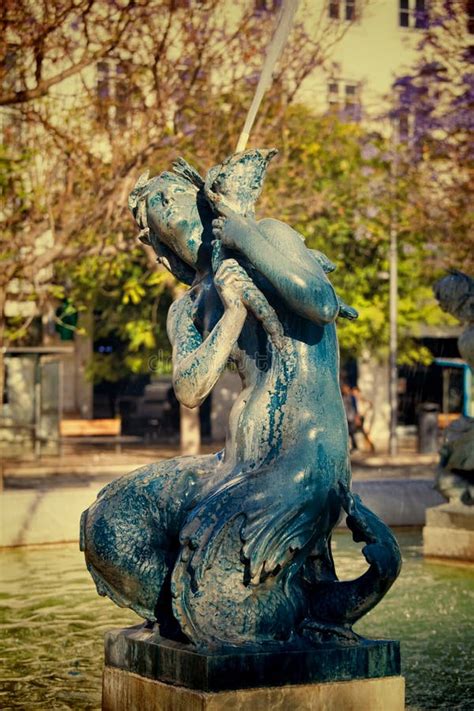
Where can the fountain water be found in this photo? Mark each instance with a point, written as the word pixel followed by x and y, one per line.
pixel 274 52
pixel 51 639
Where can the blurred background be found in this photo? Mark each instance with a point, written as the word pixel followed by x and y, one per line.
pixel 370 110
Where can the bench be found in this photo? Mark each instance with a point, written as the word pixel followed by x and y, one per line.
pixel 104 431
pixel 445 419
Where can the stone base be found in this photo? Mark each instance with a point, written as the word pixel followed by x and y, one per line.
pixel 449 533
pixel 142 651
pixel 124 691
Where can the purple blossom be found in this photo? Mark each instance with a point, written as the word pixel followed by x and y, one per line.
pixel 450 8
pixel 369 151
pixel 252 79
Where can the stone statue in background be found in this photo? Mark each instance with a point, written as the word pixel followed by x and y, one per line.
pixel 455 475
pixel 235 548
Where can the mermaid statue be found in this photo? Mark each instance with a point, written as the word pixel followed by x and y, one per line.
pixel 235 548
pixel 455 472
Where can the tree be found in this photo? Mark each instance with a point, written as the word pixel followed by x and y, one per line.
pixel 336 184
pixel 95 90
pixel 131 300
pixel 434 109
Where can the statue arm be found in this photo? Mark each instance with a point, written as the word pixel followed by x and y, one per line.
pixel 280 255
pixel 198 363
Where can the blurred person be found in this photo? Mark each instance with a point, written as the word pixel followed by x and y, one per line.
pixel 364 409
pixel 350 406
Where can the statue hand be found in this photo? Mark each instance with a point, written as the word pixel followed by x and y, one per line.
pixel 230 281
pixel 218 203
pixel 346 311
pixel 237 290
pixel 230 230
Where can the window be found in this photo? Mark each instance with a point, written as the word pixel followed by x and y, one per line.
pixel 470 16
pixel 333 95
pixel 351 102
pixel 344 99
pixel 410 127
pixel 122 94
pixel 5 382
pixel 342 10
pixel 103 81
pixel 413 13
pixel 404 128
pixel 113 92
pixel 267 5
pixel 178 4
pixel 12 80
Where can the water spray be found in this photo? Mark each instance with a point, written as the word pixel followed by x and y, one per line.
pixel 274 51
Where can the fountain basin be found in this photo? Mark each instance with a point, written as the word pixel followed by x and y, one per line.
pixel 53 626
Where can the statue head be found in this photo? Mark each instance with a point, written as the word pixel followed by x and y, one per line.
pixel 174 209
pixel 170 210
pixel 455 293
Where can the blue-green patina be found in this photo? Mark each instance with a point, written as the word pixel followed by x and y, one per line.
pixel 235 548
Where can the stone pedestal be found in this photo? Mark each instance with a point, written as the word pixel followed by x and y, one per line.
pixel 144 671
pixel 123 691
pixel 449 533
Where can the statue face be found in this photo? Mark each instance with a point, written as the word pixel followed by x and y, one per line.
pixel 174 218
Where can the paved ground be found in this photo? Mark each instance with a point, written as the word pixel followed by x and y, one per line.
pixel 407 464
pixel 81 463
pixel 43 498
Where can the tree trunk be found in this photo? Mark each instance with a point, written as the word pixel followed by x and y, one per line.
pixel 2 377
pixel 190 431
pixel 3 299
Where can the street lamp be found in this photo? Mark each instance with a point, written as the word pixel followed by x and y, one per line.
pixel 393 303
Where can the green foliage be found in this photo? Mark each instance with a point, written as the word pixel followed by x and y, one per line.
pixel 344 190
pixel 129 303
pixel 336 185
pixel 334 182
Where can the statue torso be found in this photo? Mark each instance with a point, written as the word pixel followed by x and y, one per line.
pixel 282 409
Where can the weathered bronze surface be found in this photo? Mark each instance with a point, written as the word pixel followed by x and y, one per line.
pixel 455 474
pixel 142 651
pixel 235 548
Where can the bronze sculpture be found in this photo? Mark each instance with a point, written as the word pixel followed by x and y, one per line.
pixel 235 548
pixel 455 474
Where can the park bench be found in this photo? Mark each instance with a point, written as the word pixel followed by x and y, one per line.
pixel 445 419
pixel 103 431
